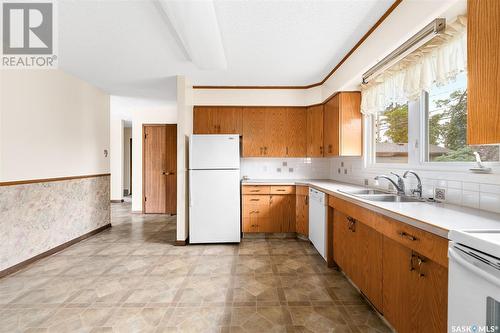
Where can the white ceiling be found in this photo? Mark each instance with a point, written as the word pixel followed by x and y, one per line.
pixel 131 48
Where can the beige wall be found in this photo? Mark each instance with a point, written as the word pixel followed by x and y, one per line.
pixel 52 124
pixel 138 112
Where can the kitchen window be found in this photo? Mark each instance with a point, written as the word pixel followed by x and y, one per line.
pixel 391 134
pixel 416 109
pixel 446 125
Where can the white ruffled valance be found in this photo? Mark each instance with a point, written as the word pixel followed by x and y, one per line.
pixel 436 63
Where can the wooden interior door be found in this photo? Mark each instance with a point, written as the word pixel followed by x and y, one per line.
pixel 159 169
pixel 315 131
pixel 171 169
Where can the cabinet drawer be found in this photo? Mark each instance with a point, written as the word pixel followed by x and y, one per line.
pixel 256 189
pixel 359 213
pixel 256 204
pixel 421 241
pixel 282 189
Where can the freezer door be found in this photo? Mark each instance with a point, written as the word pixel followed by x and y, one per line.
pixel 214 206
pixel 214 152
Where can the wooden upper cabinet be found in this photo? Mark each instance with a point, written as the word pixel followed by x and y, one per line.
pixel 229 120
pixel 483 69
pixel 294 132
pixel 342 125
pixel 254 132
pixel 217 120
pixel 314 133
pixel 275 145
pixel 204 120
pixel 274 131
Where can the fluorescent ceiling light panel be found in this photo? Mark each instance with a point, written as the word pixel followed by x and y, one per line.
pixel 196 25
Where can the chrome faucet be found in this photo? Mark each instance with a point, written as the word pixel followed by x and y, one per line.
pixel 419 185
pixel 399 186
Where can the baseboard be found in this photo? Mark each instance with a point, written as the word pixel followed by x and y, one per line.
pixel 182 242
pixel 56 249
pixel 117 201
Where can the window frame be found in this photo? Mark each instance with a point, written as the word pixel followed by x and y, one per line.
pixel 417 143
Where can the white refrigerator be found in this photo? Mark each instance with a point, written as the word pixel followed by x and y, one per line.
pixel 214 189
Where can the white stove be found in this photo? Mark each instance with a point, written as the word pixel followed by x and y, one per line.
pixel 474 281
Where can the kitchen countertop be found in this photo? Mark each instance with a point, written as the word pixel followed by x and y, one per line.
pixel 434 217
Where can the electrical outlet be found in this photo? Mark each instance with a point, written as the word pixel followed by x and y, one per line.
pixel 342 164
pixel 285 163
pixel 278 169
pixel 345 171
pixel 440 194
pixel 290 169
pixel 338 170
pixel 366 182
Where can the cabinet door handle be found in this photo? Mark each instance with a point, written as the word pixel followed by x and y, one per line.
pixel 287 150
pixel 280 190
pixel 254 199
pixel 412 258
pixel 407 236
pixel 321 150
pixel 254 212
pixel 329 148
pixel 307 200
pixel 352 224
pixel 254 191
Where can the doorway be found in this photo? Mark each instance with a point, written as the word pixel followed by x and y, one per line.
pixel 159 173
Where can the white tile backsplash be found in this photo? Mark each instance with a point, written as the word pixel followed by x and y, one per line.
pixel 462 188
pixel 285 168
pixel 489 201
pixel 470 199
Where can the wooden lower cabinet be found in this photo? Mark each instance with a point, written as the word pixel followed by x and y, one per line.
pixel 357 249
pixel 268 213
pixel 407 287
pixel 302 210
pixel 369 254
pixel 256 212
pixel 415 290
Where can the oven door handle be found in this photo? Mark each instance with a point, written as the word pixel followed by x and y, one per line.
pixel 458 257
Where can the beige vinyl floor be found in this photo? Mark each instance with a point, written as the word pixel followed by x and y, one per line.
pixel 130 278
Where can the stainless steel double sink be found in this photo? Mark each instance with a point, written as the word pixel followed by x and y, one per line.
pixel 377 195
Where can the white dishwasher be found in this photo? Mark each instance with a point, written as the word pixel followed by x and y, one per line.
pixel 317 220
